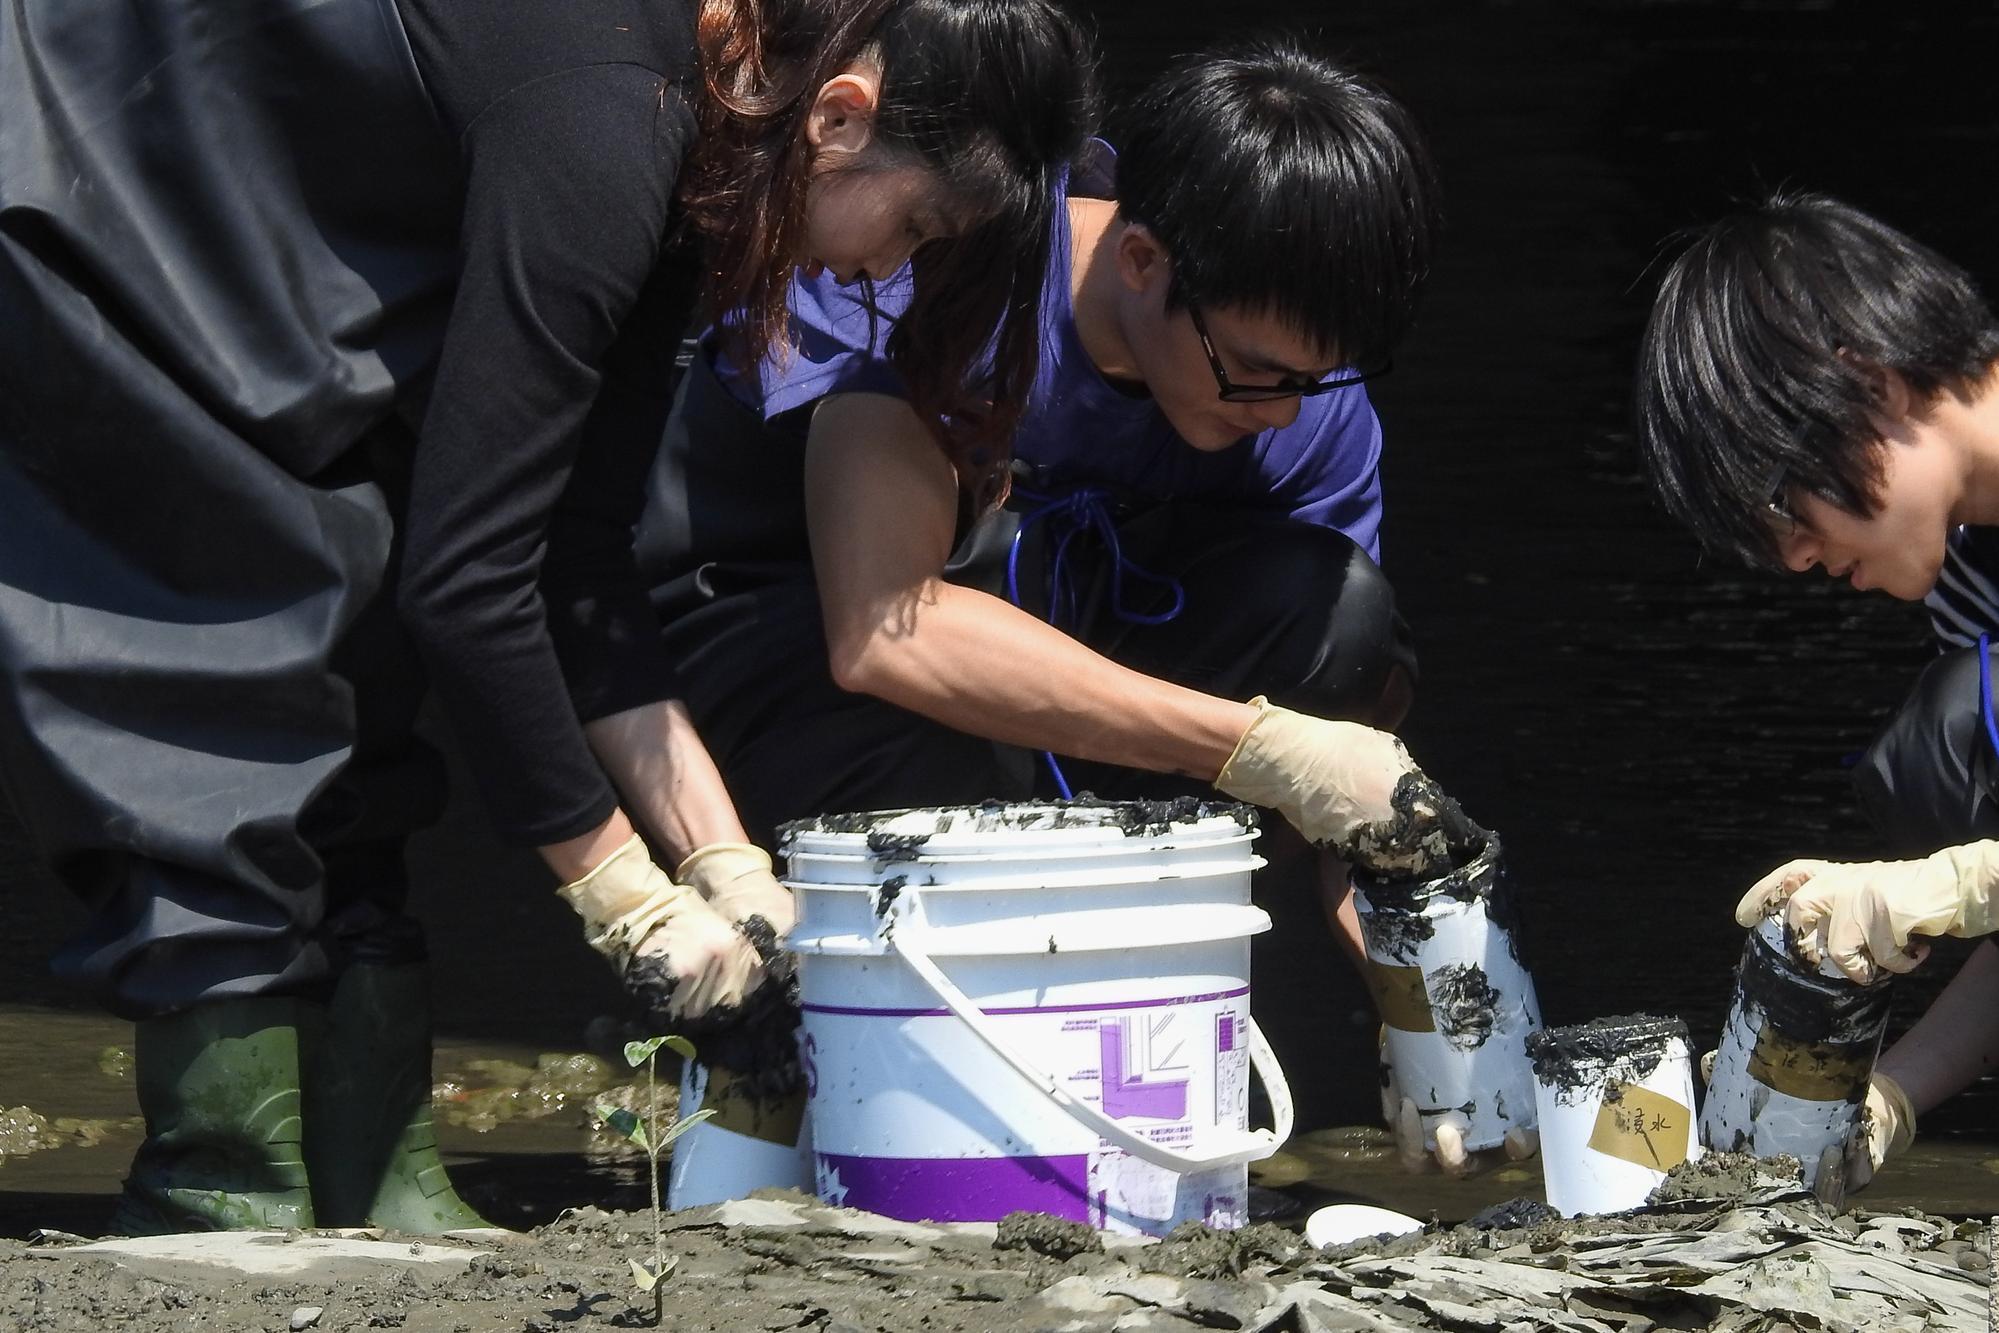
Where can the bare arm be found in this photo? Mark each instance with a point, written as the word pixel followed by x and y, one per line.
pixel 667 777
pixel 1956 1040
pixel 880 503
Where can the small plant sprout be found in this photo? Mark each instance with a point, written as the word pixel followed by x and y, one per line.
pixel 649 1135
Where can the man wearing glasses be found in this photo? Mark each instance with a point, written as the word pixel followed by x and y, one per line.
pixel 1192 519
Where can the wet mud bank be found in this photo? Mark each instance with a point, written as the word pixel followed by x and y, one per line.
pixel 1730 1244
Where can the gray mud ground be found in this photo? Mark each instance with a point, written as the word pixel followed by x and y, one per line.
pixel 1736 1248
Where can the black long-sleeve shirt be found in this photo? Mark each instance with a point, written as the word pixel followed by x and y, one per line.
pixel 296 220
pixel 552 383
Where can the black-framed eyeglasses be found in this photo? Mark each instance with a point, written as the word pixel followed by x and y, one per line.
pixel 1777 504
pixel 1290 387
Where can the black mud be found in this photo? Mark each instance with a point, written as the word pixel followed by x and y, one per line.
pixel 897 846
pixel 1395 933
pixel 1579 1056
pixel 891 889
pixel 1478 876
pixel 1135 819
pixel 1808 1007
pixel 1396 905
pixel 1513 1215
pixel 1426 835
pixel 1464 1003
pixel 755 1039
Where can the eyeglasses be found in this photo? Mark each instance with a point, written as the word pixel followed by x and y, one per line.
pixel 1295 386
pixel 1777 504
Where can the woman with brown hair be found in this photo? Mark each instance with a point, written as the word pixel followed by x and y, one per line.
pixel 336 337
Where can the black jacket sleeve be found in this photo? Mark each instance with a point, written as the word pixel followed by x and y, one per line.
pixel 540 424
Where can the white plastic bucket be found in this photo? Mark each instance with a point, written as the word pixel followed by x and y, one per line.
pixel 751 1142
pixel 1036 1007
pixel 1616 1101
pixel 1791 1072
pixel 1455 1003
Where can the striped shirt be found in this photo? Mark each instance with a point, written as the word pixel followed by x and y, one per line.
pixel 1965 601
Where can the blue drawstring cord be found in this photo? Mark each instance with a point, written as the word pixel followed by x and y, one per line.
pixel 1985 690
pixel 1085 510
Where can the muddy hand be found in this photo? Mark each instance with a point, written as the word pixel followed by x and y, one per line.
pixel 1887 1127
pixel 676 953
pixel 1864 916
pixel 1347 787
pixel 1426 834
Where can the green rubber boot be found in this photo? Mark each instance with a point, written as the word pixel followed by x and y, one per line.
pixel 218 1086
pixel 370 1142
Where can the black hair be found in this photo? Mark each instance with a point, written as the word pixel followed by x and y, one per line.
pixel 994 95
pixel 1761 362
pixel 1283 184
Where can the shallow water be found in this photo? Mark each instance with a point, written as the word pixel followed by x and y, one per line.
pixel 1650 732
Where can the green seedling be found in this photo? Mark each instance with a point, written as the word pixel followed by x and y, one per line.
pixel 648 1134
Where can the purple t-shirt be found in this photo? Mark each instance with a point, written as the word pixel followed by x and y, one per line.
pixel 1081 430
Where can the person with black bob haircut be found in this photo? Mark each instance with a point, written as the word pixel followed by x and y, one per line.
pixel 1192 508
pixel 1817 389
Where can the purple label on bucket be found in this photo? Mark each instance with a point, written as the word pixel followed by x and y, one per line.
pixel 957 1189
pixel 1224 1032
pixel 1130 1093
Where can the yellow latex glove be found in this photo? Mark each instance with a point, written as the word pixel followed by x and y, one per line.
pixel 736 879
pixel 1887 1127
pixel 1336 783
pixel 673 950
pixel 1862 915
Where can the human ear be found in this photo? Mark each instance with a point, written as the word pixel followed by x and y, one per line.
pixel 842 118
pixel 1890 395
pixel 1141 260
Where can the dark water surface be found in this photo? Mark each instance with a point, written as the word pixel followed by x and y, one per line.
pixel 1650 732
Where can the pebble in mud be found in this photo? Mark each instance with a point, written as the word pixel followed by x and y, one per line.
pixel 1044 1234
pixel 1195 1251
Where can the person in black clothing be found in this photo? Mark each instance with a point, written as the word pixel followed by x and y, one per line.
pixel 1818 390
pixel 336 338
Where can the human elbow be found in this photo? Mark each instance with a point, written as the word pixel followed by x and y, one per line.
pixel 857 662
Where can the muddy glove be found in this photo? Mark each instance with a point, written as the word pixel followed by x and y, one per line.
pixel 1862 915
pixel 1887 1127
pixel 674 951
pixel 1347 787
pixel 736 880
pixel 1405 1122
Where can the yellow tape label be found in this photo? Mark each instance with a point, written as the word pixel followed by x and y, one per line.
pixel 1399 996
pixel 1643 1127
pixel 1810 1070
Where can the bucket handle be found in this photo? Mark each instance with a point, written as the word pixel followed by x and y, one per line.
pixel 1228 1147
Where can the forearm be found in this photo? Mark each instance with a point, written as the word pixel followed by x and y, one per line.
pixel 667 778
pixel 979 665
pixel 1337 900
pixel 1956 1040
